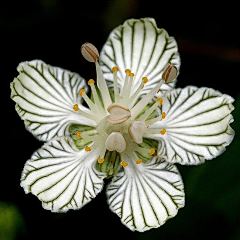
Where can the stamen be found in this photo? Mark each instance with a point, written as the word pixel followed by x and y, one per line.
pixel 124 164
pixel 115 69
pixel 160 101
pixel 101 111
pixel 100 160
pixel 163 131
pixel 118 113
pixel 103 150
pixel 126 93
pixel 134 96
pixel 115 142
pixel 139 161
pixel 89 102
pixel 75 107
pixel 88 149
pixel 79 134
pixel 103 123
pixel 163 115
pixel 149 111
pixel 136 131
pixel 145 100
pixel 91 81
pixel 145 80
pixel 153 120
pixel 116 91
pixel 102 85
pixel 139 149
pixel 89 52
pixel 81 92
pixel 152 151
pixel 124 88
pixel 170 73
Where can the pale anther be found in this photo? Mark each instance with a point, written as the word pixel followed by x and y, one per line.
pixel 115 142
pixel 89 52
pixel 136 131
pixel 118 112
pixel 170 73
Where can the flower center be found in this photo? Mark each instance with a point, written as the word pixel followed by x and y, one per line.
pixel 122 118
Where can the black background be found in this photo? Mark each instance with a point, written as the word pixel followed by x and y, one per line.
pixel 53 31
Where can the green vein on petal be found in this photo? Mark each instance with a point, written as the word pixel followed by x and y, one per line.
pixel 145 196
pixel 142 47
pixel 61 176
pixel 45 96
pixel 197 125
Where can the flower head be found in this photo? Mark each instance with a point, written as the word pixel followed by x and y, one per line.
pixel 132 128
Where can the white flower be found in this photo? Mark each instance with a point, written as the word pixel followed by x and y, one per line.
pixel 133 130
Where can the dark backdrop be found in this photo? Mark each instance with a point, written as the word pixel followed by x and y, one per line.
pixel 53 31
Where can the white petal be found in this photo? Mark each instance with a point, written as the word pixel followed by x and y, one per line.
pixel 61 176
pixel 197 125
pixel 45 96
pixel 145 196
pixel 142 47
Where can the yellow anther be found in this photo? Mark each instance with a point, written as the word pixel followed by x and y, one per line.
pixel 160 101
pixel 100 160
pixel 75 107
pixel 81 92
pixel 124 164
pixel 89 83
pixel 79 135
pixel 127 71
pixel 88 149
pixel 163 115
pixel 131 74
pixel 145 80
pixel 139 161
pixel 152 151
pixel 163 131
pixel 115 69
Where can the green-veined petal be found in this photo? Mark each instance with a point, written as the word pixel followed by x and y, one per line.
pixel 197 125
pixel 145 196
pixel 45 96
pixel 141 46
pixel 61 176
